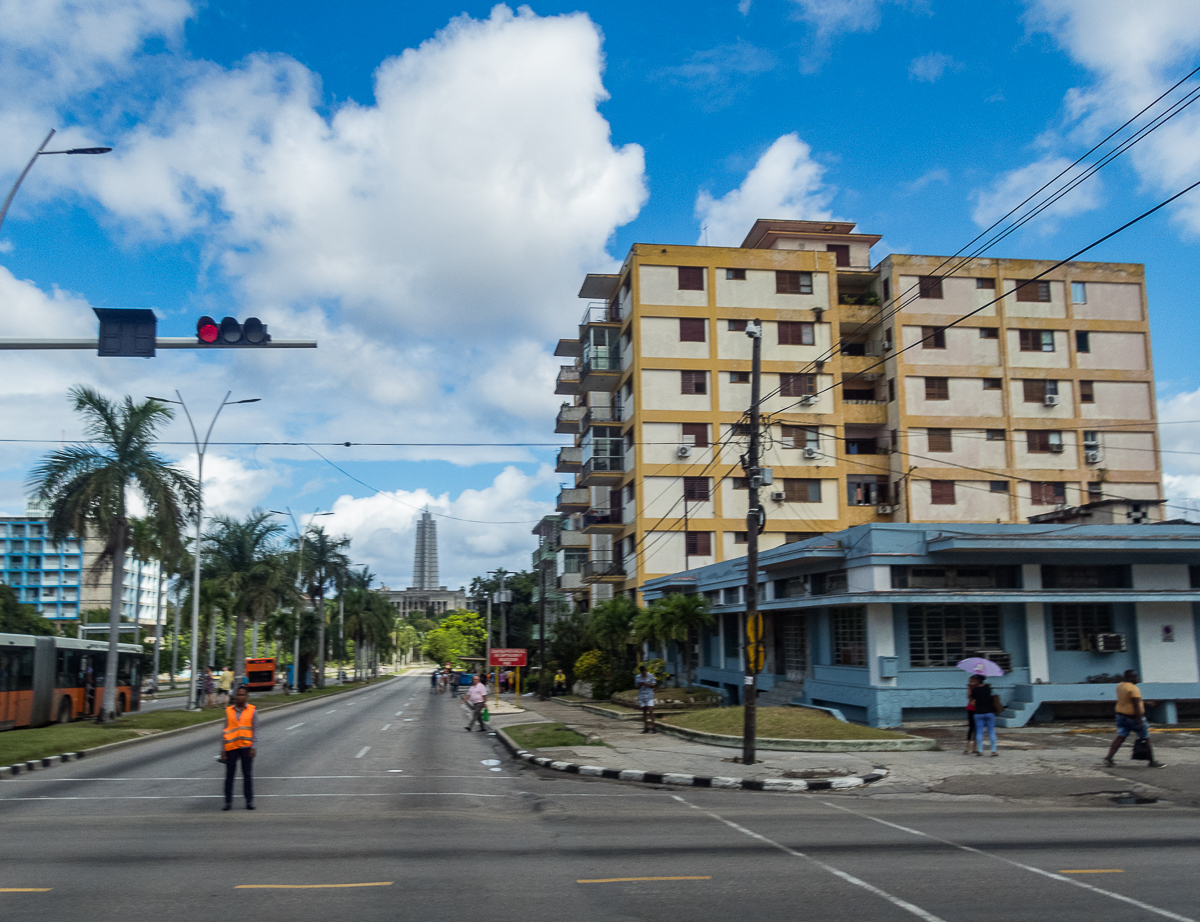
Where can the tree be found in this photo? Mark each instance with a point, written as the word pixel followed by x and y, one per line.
pixel 569 641
pixel 86 488
pixel 323 564
pixel 460 634
pixel 369 619
pixel 611 630
pixel 18 618
pixel 675 618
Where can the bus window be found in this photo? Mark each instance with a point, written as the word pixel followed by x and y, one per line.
pixel 125 669
pixel 25 669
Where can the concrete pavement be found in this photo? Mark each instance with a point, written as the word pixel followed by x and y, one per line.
pixel 379 806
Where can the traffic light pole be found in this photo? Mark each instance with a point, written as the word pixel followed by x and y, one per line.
pixel 162 342
pixel 754 517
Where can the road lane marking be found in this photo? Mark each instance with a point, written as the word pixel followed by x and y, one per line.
pixel 260 796
pixel 1166 913
pixel 382 883
pixel 362 752
pixel 398 713
pixel 25 889
pixel 294 726
pixel 332 712
pixel 617 880
pixel 385 727
pixel 1095 871
pixel 849 878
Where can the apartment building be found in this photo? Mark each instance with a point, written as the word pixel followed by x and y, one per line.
pixel 916 390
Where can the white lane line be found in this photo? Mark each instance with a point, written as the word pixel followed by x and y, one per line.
pixel 256 796
pixel 849 878
pixel 385 727
pixel 294 726
pixel 362 752
pixel 331 712
pixel 398 713
pixel 1166 913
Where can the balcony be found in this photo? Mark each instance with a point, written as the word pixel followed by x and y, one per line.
pixel 603 570
pixel 570 419
pixel 570 582
pixel 600 370
pixel 603 416
pixel 570 459
pixel 603 520
pixel 573 499
pixel 568 349
pixel 600 312
pixel 573 539
pixel 568 380
pixel 602 470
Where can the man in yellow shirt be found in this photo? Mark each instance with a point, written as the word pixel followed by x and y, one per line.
pixel 1131 717
pixel 226 685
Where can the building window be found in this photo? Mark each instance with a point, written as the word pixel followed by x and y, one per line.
pixel 940 439
pixel 941 635
pixel 1036 340
pixel 798 436
pixel 737 326
pixel 693 382
pixel 849 629
pixel 691 330
pixel 937 388
pixel 1086 577
pixel 989 333
pixel 992 384
pixel 995 435
pixel 1075 625
pixel 998 486
pixel 740 483
pixel 1033 291
pixel 1083 341
pixel 797 385
pixel 695 434
pixel 691 278
pixel 841 253
pixel 891 386
pixel 698 543
pixel 941 492
pixel 795 333
pixel 794 537
pixel 798 490
pixel 1095 491
pixel 866 490
pixel 933 337
pixel 1037 390
pixel 1079 292
pixel 735 275
pixel 1087 392
pixel 1043 440
pixel 740 430
pixel 793 283
pixel 739 377
pixel 696 489
pixel 930 286
pixel 740 537
pixel 989 284
pixel 887 289
pixel 1048 493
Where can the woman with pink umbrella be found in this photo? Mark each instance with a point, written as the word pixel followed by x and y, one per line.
pixel 982 700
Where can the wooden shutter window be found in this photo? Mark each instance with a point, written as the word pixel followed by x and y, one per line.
pixel 693 382
pixel 691 278
pixel 801 436
pixel 929 286
pixel 737 326
pixel 937 388
pixel 941 492
pixel 735 275
pixel 797 385
pixel 1035 391
pixel 696 489
pixel 793 283
pixel 940 439
pixel 1033 291
pixel 841 253
pixel 795 333
pixel 697 433
pixel 801 490
pixel 989 284
pixel 691 330
pixel 933 338
pixel 1087 392
pixel 1048 494
pixel 698 543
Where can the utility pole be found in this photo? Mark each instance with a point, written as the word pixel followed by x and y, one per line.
pixel 503 614
pixel 756 478
pixel 542 694
pixel 487 664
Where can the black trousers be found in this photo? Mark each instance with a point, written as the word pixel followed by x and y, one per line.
pixel 232 758
pixel 970 726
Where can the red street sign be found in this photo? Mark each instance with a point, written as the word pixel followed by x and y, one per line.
pixel 509 657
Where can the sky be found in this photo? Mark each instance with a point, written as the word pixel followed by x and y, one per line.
pixel 421 188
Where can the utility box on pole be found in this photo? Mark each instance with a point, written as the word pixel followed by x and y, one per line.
pixel 127 331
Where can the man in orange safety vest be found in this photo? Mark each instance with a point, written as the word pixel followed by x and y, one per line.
pixel 238 745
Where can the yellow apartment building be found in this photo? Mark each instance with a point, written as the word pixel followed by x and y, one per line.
pixel 921 389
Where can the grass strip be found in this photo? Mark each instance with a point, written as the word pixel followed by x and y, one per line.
pixel 543 736
pixel 778 723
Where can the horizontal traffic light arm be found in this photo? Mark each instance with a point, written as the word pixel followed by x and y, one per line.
pixel 161 342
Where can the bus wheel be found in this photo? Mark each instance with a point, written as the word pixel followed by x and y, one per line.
pixel 64 711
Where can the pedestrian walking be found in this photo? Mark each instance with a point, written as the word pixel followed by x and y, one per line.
pixel 1131 718
pixel 476 701
pixel 984 700
pixel 434 678
pixel 206 687
pixel 226 684
pixel 455 681
pixel 970 717
pixel 239 746
pixel 646 683
pixel 560 682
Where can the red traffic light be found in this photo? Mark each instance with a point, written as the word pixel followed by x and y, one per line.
pixel 207 330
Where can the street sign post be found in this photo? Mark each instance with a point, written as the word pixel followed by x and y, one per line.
pixel 511 656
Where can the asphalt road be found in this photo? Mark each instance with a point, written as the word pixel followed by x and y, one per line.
pixel 379 806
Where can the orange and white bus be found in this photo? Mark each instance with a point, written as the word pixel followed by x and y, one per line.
pixel 260 673
pixel 58 679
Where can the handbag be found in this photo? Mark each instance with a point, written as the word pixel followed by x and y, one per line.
pixel 1141 750
pixel 485 717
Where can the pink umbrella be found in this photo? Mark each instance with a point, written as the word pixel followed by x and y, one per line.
pixel 977 665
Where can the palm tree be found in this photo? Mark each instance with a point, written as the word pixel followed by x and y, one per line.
pixel 677 618
pixel 323 565
pixel 245 559
pixel 86 487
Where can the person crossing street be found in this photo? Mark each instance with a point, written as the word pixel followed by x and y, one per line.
pixel 239 745
pixel 476 701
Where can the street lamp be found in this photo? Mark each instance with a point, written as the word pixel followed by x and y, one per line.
pixel 193 704
pixel 299 570
pixel 41 152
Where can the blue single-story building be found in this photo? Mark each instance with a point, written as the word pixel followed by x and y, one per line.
pixel 872 620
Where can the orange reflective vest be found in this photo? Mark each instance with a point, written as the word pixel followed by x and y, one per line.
pixel 239 731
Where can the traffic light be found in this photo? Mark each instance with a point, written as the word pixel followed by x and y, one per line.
pixel 126 331
pixel 231 333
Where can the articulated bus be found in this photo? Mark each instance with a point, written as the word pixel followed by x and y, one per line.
pixel 57 679
pixel 260 673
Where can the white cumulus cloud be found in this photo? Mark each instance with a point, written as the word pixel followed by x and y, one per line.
pixel 1013 187
pixel 929 68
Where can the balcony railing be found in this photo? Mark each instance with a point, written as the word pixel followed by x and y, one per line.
pixel 603 517
pixel 604 467
pixel 570 459
pixel 569 418
pixel 568 380
pixel 603 568
pixel 603 416
pixel 574 498
pixel 600 312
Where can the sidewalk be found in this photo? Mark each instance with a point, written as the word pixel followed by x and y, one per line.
pixel 1034 762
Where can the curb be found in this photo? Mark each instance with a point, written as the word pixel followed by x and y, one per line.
pixel 777 744
pixel 610 713
pixel 48 761
pixel 778 785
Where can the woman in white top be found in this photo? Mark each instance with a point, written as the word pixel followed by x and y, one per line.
pixel 646 684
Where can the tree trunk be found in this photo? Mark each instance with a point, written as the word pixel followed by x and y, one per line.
pixel 109 705
pixel 239 651
pixel 175 643
pixel 158 635
pixel 321 640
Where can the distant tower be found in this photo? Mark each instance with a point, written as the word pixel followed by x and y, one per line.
pixel 425 562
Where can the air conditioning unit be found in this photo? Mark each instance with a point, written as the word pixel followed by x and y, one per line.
pixel 886 345
pixel 1092 457
pixel 778 495
pixel 1050 400
pixel 808 400
pixel 1091 445
pixel 885 509
pixel 1056 447
pixel 1108 643
pixel 683 451
pixel 811 454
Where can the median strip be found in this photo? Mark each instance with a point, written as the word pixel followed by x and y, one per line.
pixel 380 883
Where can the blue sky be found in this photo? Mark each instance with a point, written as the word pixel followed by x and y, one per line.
pixel 422 186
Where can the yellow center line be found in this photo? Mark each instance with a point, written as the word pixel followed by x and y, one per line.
pixel 382 883
pixel 1095 871
pixel 25 889
pixel 614 880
